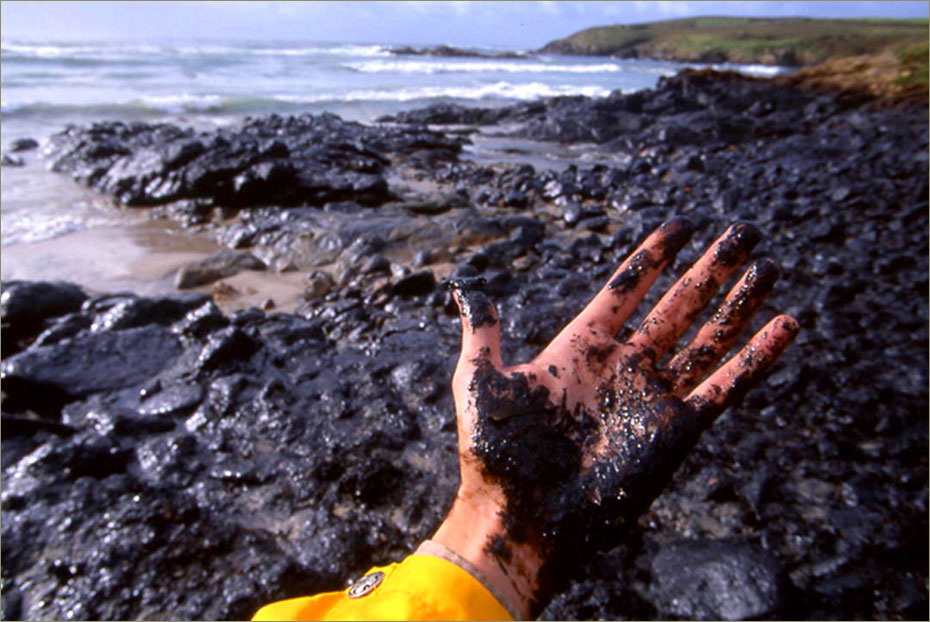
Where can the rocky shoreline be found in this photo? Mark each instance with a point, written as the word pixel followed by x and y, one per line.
pixel 447 51
pixel 164 459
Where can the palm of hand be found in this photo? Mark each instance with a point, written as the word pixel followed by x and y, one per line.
pixel 578 442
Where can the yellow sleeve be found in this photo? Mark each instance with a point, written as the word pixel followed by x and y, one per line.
pixel 421 587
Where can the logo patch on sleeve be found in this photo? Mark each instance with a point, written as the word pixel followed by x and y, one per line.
pixel 366 584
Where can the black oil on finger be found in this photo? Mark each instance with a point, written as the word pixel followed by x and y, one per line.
pixel 738 243
pixel 629 277
pixel 759 281
pixel 790 326
pixel 762 275
pixel 677 231
pixel 473 302
pixel 686 367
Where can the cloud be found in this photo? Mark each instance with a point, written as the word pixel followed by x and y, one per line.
pixel 677 9
pixel 461 23
pixel 418 6
pixel 552 8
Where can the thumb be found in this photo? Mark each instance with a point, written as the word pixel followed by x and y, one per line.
pixel 481 329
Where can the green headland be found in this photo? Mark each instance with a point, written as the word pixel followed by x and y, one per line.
pixel 772 41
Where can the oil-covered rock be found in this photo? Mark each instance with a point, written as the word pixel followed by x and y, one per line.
pixel 264 456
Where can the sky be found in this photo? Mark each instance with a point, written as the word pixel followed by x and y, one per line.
pixel 523 25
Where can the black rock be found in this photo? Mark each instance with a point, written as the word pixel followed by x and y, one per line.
pixel 376 263
pixel 172 400
pixel 226 346
pixel 306 160
pixel 219 265
pixel 319 284
pixel 8 159
pixel 439 114
pixel 594 223
pixel 572 214
pixel 715 580
pixel 515 199
pixel 23 144
pixel 135 312
pixel 47 376
pixel 25 307
pixel 415 284
pixel 338 423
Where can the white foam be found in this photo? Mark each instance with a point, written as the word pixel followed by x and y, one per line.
pixel 43 51
pixel 201 103
pixel 765 71
pixel 83 52
pixel 497 90
pixel 185 102
pixel 117 51
pixel 169 104
pixel 342 50
pixel 8 107
pixel 482 66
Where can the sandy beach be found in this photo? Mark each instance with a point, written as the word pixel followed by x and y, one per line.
pixel 143 258
pixel 124 249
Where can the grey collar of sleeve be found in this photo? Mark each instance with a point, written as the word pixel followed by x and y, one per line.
pixel 435 549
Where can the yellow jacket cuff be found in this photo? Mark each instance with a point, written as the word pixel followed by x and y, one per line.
pixel 431 584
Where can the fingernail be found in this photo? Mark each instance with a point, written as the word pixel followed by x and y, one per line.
pixel 790 326
pixel 466 283
pixel 677 222
pixel 741 239
pixel 627 280
pixel 678 231
pixel 473 303
pixel 762 274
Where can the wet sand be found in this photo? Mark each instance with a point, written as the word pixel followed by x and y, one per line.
pixel 123 250
pixel 113 249
pixel 142 257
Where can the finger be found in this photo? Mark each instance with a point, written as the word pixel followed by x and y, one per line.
pixel 683 303
pixel 716 337
pixel 744 370
pixel 481 331
pixel 617 300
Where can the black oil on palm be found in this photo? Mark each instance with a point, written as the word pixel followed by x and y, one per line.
pixel 575 478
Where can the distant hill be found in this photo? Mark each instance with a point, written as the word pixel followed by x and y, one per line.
pixel 769 41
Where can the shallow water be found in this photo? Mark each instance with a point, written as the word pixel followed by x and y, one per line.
pixel 47 85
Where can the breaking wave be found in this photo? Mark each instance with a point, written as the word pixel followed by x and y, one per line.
pixel 190 103
pixel 482 66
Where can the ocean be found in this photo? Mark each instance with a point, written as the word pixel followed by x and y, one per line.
pixel 44 86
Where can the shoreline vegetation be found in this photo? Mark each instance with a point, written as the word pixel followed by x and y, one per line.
pixel 452 52
pixel 868 59
pixel 883 59
pixel 794 42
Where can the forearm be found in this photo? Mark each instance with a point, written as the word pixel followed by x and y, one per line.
pixel 474 530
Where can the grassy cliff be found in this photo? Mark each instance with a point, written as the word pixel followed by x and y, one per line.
pixel 772 41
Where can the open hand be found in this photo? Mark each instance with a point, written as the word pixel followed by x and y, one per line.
pixel 558 455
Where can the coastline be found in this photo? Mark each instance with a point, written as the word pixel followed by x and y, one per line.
pixel 336 421
pixel 134 250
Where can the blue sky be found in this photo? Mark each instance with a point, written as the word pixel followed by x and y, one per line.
pixel 509 24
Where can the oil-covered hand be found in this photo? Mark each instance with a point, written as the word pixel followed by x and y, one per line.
pixel 558 455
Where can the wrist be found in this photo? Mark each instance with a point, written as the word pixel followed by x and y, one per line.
pixel 474 531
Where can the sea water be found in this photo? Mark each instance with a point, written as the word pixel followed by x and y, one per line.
pixel 46 86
